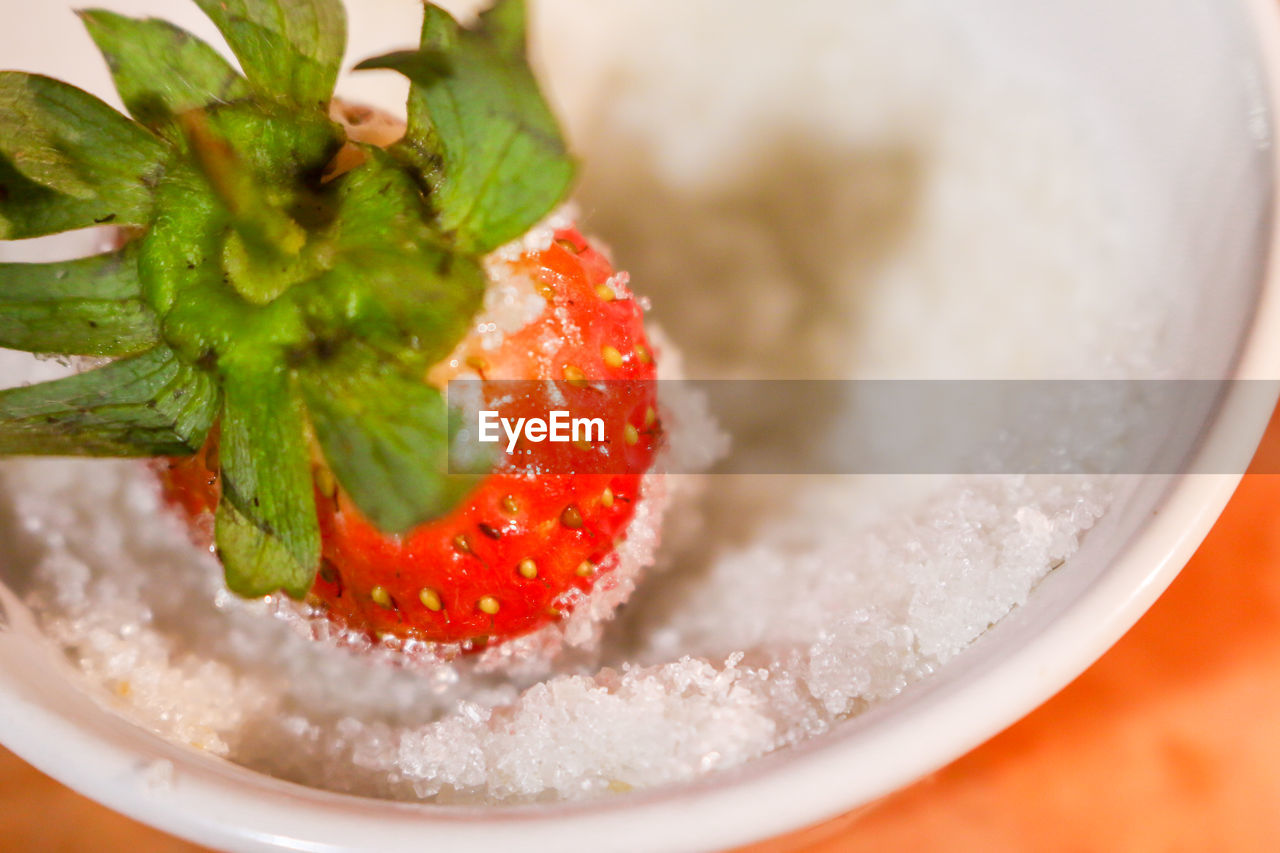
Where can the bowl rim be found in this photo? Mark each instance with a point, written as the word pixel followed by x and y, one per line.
pixel 216 803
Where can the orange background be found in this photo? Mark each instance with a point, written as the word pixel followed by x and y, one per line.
pixel 1171 742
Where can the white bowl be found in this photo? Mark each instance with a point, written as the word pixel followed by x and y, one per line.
pixel 1188 90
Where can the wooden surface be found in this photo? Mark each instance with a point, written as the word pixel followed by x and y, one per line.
pixel 1171 742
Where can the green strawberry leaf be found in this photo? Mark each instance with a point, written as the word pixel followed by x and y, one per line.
pixel 412 306
pixel 386 437
pixel 161 70
pixel 292 48
pixel 266 530
pixel 506 24
pixel 179 252
pixel 30 210
pixel 379 205
pixel 261 257
pixel 91 306
pixel 284 148
pixel 479 128
pixel 145 405
pixel 392 283
pixel 255 561
pixel 64 140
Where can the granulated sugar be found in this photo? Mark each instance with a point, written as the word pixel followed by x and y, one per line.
pixel 896 220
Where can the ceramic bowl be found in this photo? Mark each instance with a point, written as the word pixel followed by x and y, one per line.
pixel 1186 91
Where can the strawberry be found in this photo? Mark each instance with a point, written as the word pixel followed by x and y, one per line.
pixel 501 562
pixel 290 303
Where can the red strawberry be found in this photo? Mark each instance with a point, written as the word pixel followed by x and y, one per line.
pixel 499 564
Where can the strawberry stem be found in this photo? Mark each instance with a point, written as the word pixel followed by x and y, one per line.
pixel 261 255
